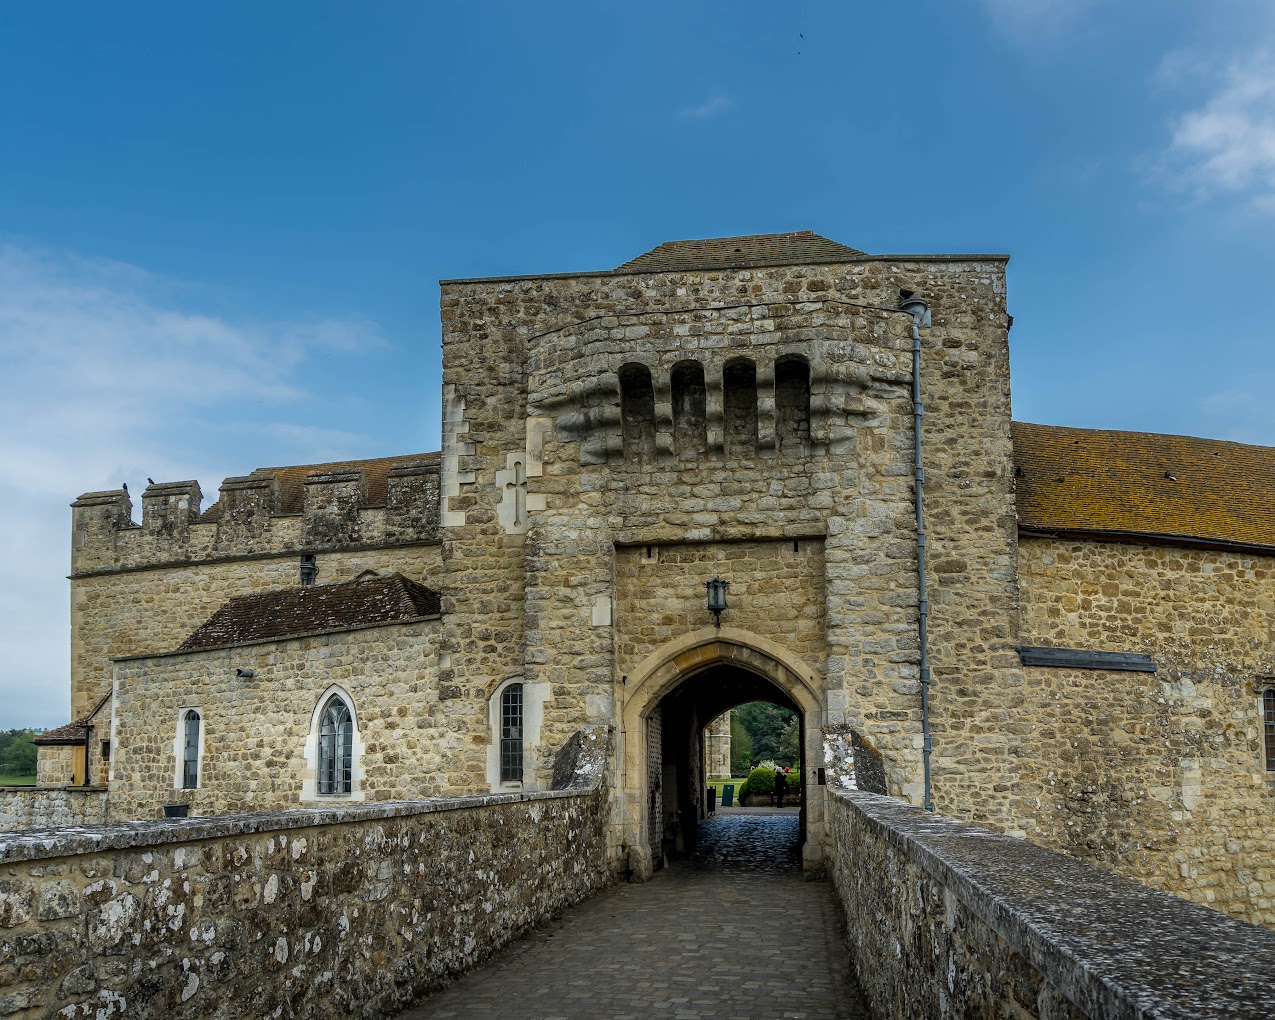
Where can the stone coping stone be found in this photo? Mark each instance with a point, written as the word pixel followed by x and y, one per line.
pixel 71 840
pixel 1117 948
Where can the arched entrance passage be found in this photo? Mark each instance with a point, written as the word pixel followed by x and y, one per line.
pixel 682 688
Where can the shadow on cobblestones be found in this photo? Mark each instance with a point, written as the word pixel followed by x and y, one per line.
pixel 732 933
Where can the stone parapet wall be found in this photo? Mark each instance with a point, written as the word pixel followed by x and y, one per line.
pixel 250 519
pixel 948 920
pixel 350 912
pixel 143 612
pixel 33 808
pixel 1160 776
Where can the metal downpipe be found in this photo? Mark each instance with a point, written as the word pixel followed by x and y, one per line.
pixel 920 312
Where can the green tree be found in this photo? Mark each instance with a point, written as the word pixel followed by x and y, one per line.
pixel 766 724
pixel 17 753
pixel 790 743
pixel 741 745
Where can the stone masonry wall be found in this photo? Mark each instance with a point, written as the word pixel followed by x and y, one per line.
pixel 303 914
pixel 538 492
pixel 947 920
pixel 255 731
pixel 29 808
pixel 1158 776
pixel 144 611
pixel 777 591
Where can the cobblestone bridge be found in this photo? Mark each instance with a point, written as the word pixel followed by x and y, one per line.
pixel 733 933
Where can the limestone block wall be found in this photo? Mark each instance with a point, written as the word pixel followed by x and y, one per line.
pixel 154 609
pixel 318 913
pixel 55 765
pixel 776 590
pixel 31 808
pixel 949 920
pixel 258 733
pixel 1159 776
pixel 539 491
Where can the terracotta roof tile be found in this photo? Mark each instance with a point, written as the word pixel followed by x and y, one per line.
pixel 1141 483
pixel 292 480
pixel 292 611
pixel 794 249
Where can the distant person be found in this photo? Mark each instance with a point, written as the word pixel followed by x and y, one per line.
pixel 781 787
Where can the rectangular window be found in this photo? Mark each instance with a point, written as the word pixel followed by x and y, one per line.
pixel 1268 727
pixel 511 734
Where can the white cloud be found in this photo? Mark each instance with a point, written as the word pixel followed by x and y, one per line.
pixel 709 108
pixel 107 378
pixel 1226 145
pixel 1034 20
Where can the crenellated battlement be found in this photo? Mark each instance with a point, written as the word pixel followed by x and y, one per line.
pixel 304 509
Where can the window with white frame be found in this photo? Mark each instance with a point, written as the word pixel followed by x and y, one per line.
pixel 189 742
pixel 336 748
pixel 511 734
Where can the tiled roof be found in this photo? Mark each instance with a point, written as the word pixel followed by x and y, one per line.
pixel 292 480
pixel 794 249
pixel 289 612
pixel 1144 484
pixel 72 732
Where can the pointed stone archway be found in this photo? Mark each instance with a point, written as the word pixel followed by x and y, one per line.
pixel 709 671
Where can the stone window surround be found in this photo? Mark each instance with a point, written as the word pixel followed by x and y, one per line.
pixel 179 748
pixel 310 783
pixel 534 697
pixel 1266 725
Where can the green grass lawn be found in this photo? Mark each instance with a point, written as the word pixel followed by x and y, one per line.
pixel 17 780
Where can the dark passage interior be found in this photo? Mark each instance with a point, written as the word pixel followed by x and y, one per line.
pixel 677 799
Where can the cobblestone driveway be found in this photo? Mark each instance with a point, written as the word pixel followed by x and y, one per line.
pixel 735 934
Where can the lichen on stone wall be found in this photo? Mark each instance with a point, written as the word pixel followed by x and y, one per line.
pixel 357 911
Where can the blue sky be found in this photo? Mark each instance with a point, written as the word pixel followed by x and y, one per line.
pixel 221 226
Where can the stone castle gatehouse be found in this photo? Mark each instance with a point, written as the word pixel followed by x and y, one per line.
pixel 1056 633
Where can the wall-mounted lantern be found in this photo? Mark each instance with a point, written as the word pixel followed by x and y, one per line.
pixel 716 589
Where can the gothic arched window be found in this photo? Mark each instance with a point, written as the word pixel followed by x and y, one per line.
pixel 511 734
pixel 336 748
pixel 190 750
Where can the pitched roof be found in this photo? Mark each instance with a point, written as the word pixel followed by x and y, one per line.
pixel 72 732
pixel 794 249
pixel 292 480
pixel 1144 484
pixel 289 612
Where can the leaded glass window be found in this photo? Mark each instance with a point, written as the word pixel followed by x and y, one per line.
pixel 1268 718
pixel 336 748
pixel 511 734
pixel 190 751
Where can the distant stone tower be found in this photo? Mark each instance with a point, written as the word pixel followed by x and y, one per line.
pixel 717 746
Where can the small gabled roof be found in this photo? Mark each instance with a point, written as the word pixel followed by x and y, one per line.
pixel 1144 484
pixel 275 615
pixel 797 248
pixel 72 732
